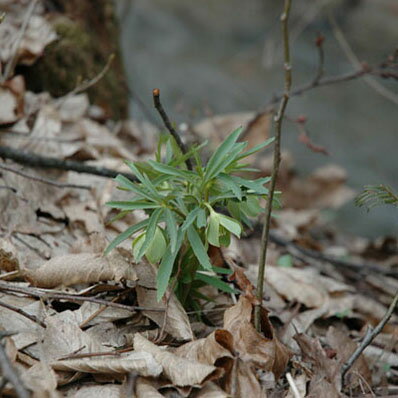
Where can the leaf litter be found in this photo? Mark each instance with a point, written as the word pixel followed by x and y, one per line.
pixel 76 323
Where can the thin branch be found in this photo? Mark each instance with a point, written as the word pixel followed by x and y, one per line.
pixel 167 123
pixel 369 80
pixel 321 59
pixel 9 68
pixel 23 313
pixel 71 297
pixel 369 337
pixel 10 374
pixel 278 119
pixel 47 162
pixel 86 84
pixel 44 180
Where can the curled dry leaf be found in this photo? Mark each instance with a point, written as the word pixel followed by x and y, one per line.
pixel 216 349
pixel 72 269
pixel 180 371
pixel 211 390
pixel 268 353
pixel 143 363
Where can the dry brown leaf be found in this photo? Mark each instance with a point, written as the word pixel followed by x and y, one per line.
pixel 177 321
pixel 325 381
pixel 211 390
pixel 72 269
pixel 216 349
pixel 63 336
pixel 344 348
pixel 180 371
pixel 73 108
pixel 143 363
pixel 145 389
pixel 268 353
pixel 242 381
pixel 41 379
pixel 102 391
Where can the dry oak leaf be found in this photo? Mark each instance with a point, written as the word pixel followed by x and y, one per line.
pixel 145 388
pixel 103 391
pixel 143 363
pixel 73 269
pixel 180 371
pixel 41 379
pixel 267 353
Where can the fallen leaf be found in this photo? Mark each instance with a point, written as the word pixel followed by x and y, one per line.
pixel 268 353
pixel 145 389
pixel 73 269
pixel 180 371
pixel 325 381
pixel 142 363
pixel 41 379
pixel 344 348
pixel 103 391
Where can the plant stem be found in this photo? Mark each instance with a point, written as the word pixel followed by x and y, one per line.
pixel 170 128
pixel 277 158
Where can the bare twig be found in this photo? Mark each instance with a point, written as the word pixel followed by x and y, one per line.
pixel 46 162
pixel 44 294
pixel 277 157
pixel 86 84
pixel 369 337
pixel 23 313
pixel 321 59
pixel 169 126
pixel 10 374
pixel 43 180
pixel 9 68
pixel 369 80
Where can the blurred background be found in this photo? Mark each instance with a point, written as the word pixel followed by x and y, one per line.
pixel 214 57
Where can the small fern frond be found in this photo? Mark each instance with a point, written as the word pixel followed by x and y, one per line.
pixel 376 195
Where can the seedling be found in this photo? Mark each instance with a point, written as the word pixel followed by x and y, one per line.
pixel 187 212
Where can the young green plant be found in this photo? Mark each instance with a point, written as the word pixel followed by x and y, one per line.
pixel 187 212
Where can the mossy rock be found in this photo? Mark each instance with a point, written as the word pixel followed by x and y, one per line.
pixel 87 36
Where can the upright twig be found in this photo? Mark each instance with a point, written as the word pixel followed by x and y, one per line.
pixel 277 158
pixel 369 337
pixel 9 373
pixel 321 59
pixel 169 126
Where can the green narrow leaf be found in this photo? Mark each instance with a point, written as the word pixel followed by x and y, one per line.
pixel 198 248
pixel 139 205
pixel 171 224
pixel 150 232
pixel 256 148
pixel 166 267
pixel 170 170
pixel 214 281
pixel 228 182
pixel 133 187
pixel 157 247
pixel 231 225
pixel 190 219
pixel 256 185
pixel 125 235
pixel 221 151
